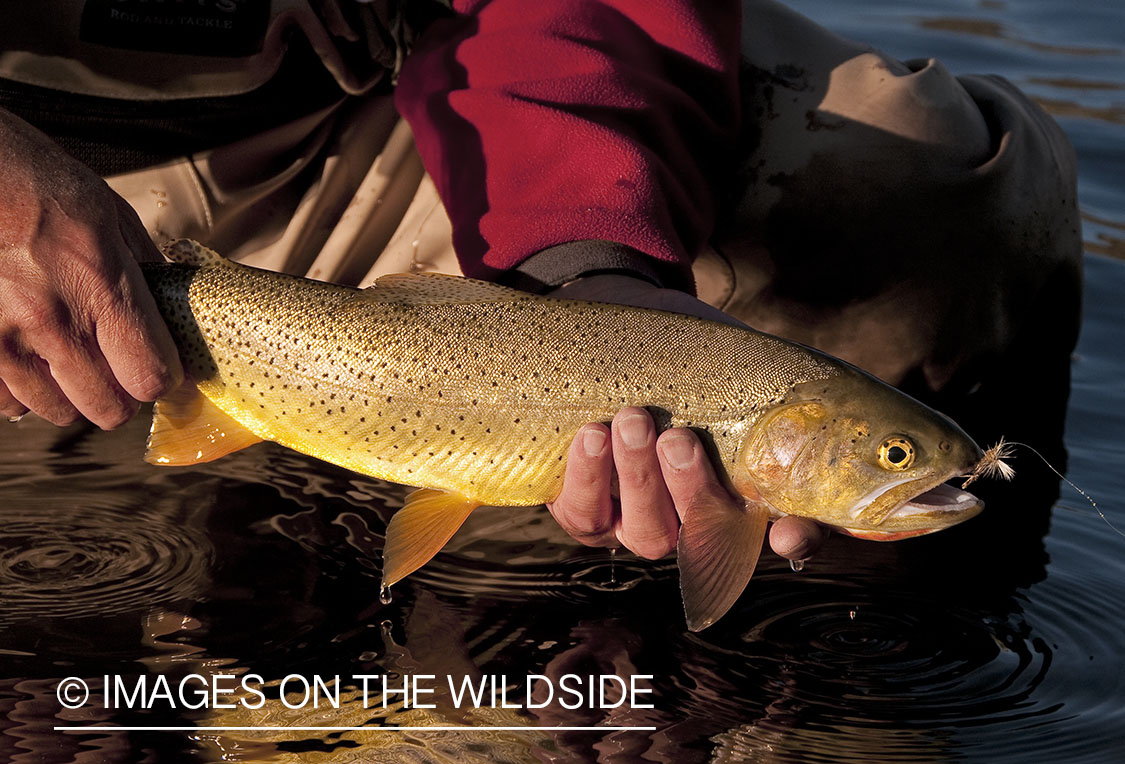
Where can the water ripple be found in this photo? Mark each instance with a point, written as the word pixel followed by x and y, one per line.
pixel 66 562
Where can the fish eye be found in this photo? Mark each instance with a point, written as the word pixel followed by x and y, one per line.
pixel 896 453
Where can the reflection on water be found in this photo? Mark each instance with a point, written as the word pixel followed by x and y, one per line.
pixel 999 640
pixel 1108 236
pixel 990 28
pixel 1072 83
pixel 1059 108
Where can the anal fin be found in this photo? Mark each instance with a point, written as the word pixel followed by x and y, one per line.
pixel 420 529
pixel 187 428
pixel 717 553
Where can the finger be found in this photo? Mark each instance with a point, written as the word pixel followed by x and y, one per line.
pixel 648 524
pixel 84 377
pixel 9 406
pixel 797 538
pixel 135 341
pixel 584 508
pixel 688 472
pixel 75 365
pixel 28 380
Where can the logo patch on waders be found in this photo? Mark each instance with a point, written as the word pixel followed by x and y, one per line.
pixel 229 28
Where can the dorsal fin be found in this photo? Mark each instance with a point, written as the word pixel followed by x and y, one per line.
pixel 187 428
pixel 191 252
pixel 435 289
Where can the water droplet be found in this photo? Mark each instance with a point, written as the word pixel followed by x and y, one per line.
pixel 385 595
pixel 797 565
pixel 613 566
pixel 852 613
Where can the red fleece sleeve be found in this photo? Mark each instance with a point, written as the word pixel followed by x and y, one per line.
pixel 544 123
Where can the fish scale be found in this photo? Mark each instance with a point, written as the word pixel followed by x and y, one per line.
pixel 473 392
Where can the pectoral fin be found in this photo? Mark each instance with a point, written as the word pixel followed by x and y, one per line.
pixel 420 529
pixel 717 552
pixel 187 428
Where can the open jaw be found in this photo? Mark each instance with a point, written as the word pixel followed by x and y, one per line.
pixel 941 498
pixel 917 513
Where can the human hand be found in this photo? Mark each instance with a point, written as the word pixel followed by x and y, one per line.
pixel 659 477
pixel 80 334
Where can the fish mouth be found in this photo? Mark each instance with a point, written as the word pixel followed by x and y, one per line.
pixel 933 509
pixel 942 498
pixel 914 504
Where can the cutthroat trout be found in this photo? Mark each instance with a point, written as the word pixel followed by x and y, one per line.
pixel 473 392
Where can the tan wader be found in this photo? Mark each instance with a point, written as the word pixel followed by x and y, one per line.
pixel 889 213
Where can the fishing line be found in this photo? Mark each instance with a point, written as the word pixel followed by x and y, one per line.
pixel 992 464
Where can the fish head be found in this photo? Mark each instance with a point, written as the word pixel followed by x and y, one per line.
pixel 861 456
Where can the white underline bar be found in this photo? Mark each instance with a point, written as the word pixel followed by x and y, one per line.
pixel 347 729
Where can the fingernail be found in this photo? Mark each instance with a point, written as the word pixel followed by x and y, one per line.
pixel 634 430
pixel 593 441
pixel 678 450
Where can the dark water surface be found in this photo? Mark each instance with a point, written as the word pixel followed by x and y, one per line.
pixel 999 641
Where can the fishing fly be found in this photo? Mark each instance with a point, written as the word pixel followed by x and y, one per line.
pixel 992 464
